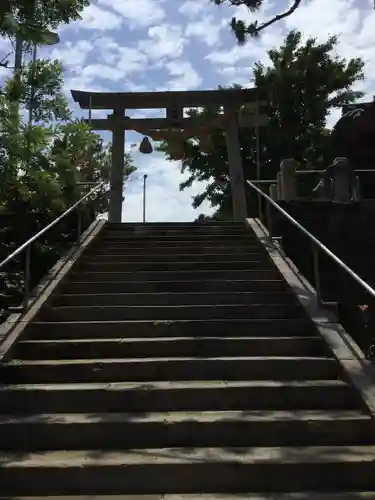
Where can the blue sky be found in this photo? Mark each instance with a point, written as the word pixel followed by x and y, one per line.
pixel 147 45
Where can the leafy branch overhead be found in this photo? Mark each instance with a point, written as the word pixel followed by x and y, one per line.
pixel 241 30
pixel 30 17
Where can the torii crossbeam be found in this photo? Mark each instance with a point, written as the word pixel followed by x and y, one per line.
pixel 174 103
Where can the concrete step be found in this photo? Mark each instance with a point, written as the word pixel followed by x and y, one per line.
pixel 76 285
pixel 179 233
pixel 184 227
pixel 181 328
pixel 266 273
pixel 164 299
pixel 103 267
pixel 159 369
pixel 175 224
pixel 121 257
pixel 159 245
pixel 100 248
pixel 304 495
pixel 172 470
pixel 178 396
pixel 120 431
pixel 179 238
pixel 170 347
pixel 171 313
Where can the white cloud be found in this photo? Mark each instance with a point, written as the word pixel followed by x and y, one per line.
pixel 206 31
pixel 223 57
pixel 192 8
pixel 106 49
pixel 165 202
pixel 255 50
pixel 131 60
pixel 5 55
pixel 138 12
pixel 83 82
pixel 101 71
pixel 5 46
pixel 96 18
pixel 315 18
pixel 333 116
pixel 321 18
pixel 185 76
pixel 241 75
pixel 163 41
pixel 354 26
pixel 4 72
pixel 73 55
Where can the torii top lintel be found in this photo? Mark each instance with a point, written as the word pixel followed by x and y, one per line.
pixel 149 100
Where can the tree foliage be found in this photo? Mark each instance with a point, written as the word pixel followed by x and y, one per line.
pixel 243 31
pixel 303 81
pixel 45 167
pixel 49 162
pixel 45 164
pixel 29 18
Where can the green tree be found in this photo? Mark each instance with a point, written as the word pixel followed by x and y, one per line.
pixel 44 168
pixel 241 30
pixel 40 88
pixel 304 81
pixel 30 18
pixel 46 165
pixel 24 156
pixel 81 156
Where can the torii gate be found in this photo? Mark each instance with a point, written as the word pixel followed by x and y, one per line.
pixel 232 101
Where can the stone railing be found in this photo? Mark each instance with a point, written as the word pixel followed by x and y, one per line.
pixel 337 183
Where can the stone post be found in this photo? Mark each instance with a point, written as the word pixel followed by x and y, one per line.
pixel 357 191
pixel 278 186
pixel 288 182
pixel 117 167
pixel 273 192
pixel 342 185
pixel 237 180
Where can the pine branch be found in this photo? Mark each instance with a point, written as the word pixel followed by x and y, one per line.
pixel 241 30
pixel 279 17
pixel 4 62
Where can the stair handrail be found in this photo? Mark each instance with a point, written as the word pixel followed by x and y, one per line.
pixel 317 245
pixel 27 245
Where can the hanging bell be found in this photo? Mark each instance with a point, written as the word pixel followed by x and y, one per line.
pixel 145 146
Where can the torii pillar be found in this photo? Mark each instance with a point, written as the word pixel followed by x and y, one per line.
pixel 116 181
pixel 237 180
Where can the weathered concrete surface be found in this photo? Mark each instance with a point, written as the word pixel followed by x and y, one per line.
pixel 176 359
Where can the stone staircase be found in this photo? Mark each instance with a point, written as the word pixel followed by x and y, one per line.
pixel 175 360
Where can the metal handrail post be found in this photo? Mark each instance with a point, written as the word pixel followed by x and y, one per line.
pixel 28 245
pixel 47 228
pixel 268 217
pixel 79 226
pixel 318 245
pixel 318 287
pixel 26 284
